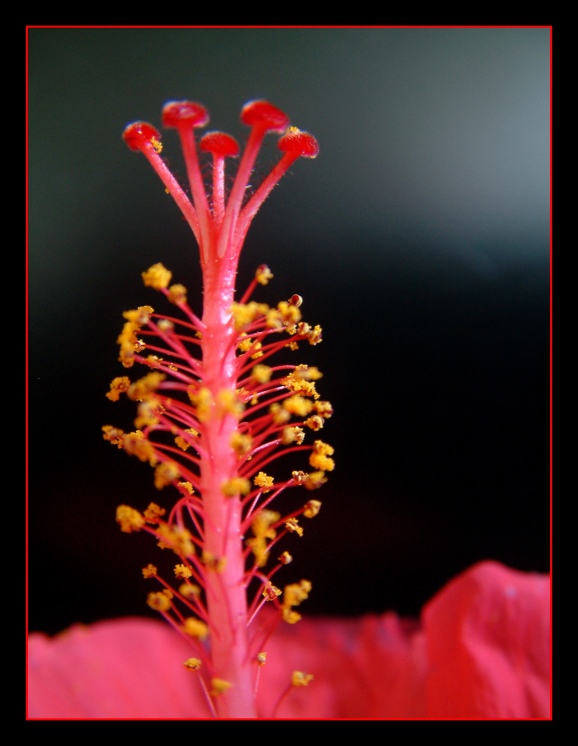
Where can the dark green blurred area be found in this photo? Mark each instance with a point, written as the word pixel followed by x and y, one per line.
pixel 419 240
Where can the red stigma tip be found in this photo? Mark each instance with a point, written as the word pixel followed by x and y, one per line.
pixel 219 143
pixel 138 133
pixel 265 115
pixel 179 112
pixel 299 142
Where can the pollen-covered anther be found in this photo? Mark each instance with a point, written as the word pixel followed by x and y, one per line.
pixel 293 595
pixel 279 414
pixel 298 405
pixel 114 435
pixel 271 592
pixel 245 313
pixel 195 628
pixel 189 590
pixel 299 385
pixel 118 386
pixel 176 538
pixel 219 687
pixel 138 134
pixel 241 443
pixel 165 326
pixel 262 530
pixel 290 313
pixel 293 526
pixel 129 519
pixel 202 400
pixel 261 373
pixel 314 480
pixel 177 113
pixel 299 678
pixel 312 508
pixel 292 435
pixel 315 422
pixel 323 409
pixel 211 562
pixel 285 558
pixel 299 477
pixel 320 456
pixel 295 300
pixel 137 445
pixel 153 513
pixel 177 293
pixel 265 116
pixel 145 386
pixel 160 600
pixel 263 274
pixel 166 473
pixel 193 664
pixel 182 571
pixel 261 658
pixel 157 277
pixel 186 487
pixel 263 481
pixel 228 403
pixel 150 571
pixel 298 142
pixel 236 486
pixel 220 144
pixel 314 337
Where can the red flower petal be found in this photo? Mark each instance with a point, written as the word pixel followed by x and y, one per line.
pixel 483 652
pixel 488 643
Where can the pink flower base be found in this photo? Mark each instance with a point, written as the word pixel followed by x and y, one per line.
pixel 480 651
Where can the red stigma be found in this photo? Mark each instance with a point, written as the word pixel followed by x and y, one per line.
pixel 178 112
pixel 264 115
pixel 139 133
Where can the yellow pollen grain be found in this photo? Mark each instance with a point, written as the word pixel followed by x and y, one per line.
pixel 195 628
pixel 236 486
pixel 118 386
pixel 312 508
pixel 263 481
pixel 160 600
pixel 166 473
pixel 153 513
pixel 219 687
pixel 150 571
pixel 263 274
pixel 129 519
pixel 299 678
pixel 293 526
pixel 183 572
pixel 193 664
pixel 157 277
pixel 177 294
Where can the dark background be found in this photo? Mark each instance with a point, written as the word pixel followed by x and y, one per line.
pixel 419 240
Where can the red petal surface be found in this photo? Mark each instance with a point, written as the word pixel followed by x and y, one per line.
pixel 482 651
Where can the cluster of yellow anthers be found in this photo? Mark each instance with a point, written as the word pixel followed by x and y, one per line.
pixel 273 407
pixel 214 413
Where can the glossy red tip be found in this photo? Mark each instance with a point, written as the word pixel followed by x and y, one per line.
pixel 138 133
pixel 263 114
pixel 219 143
pixel 177 112
pixel 301 143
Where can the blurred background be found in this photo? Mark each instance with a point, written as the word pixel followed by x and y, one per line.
pixel 419 240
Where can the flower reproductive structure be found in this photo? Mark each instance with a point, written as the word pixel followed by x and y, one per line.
pixel 216 415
